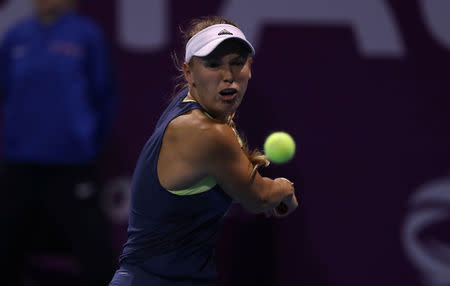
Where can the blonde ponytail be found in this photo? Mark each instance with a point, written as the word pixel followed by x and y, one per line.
pixel 256 157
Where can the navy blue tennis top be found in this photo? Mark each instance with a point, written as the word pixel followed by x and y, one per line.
pixel 172 235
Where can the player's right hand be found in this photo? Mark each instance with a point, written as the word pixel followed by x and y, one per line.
pixel 288 204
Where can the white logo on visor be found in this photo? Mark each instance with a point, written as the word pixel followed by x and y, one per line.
pixel 224 32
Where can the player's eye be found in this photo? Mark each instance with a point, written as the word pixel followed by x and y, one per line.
pixel 212 63
pixel 238 61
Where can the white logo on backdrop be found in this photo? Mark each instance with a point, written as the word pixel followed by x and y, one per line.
pixel 375 29
pixel 84 190
pixel 143 26
pixel 430 205
pixel 11 12
pixel 437 19
pixel 116 199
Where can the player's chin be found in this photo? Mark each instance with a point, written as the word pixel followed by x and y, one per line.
pixel 231 102
pixel 230 106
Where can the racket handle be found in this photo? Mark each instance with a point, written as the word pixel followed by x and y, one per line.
pixel 282 209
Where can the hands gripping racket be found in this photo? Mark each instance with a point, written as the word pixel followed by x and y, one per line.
pixel 287 205
pixel 280 210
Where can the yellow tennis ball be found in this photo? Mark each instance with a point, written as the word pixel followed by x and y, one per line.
pixel 279 147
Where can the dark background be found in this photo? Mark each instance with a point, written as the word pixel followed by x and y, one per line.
pixel 372 131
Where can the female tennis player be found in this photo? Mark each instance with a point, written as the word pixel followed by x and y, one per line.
pixel 194 165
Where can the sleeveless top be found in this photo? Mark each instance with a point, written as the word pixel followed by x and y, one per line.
pixel 172 234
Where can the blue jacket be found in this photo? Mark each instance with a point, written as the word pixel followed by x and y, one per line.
pixel 56 91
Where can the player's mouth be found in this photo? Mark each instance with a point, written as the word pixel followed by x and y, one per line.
pixel 228 93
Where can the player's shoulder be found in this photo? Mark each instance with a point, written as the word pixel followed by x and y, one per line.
pixel 203 131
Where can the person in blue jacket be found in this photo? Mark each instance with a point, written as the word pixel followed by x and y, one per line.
pixel 57 101
pixel 194 165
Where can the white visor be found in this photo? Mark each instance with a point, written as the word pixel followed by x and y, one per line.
pixel 205 41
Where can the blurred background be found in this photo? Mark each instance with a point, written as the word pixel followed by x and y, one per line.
pixel 362 86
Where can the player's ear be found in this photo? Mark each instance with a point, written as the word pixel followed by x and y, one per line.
pixel 187 71
pixel 250 62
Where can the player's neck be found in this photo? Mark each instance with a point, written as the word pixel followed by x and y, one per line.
pixel 223 119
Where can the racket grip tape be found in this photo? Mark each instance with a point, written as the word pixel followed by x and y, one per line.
pixel 282 208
